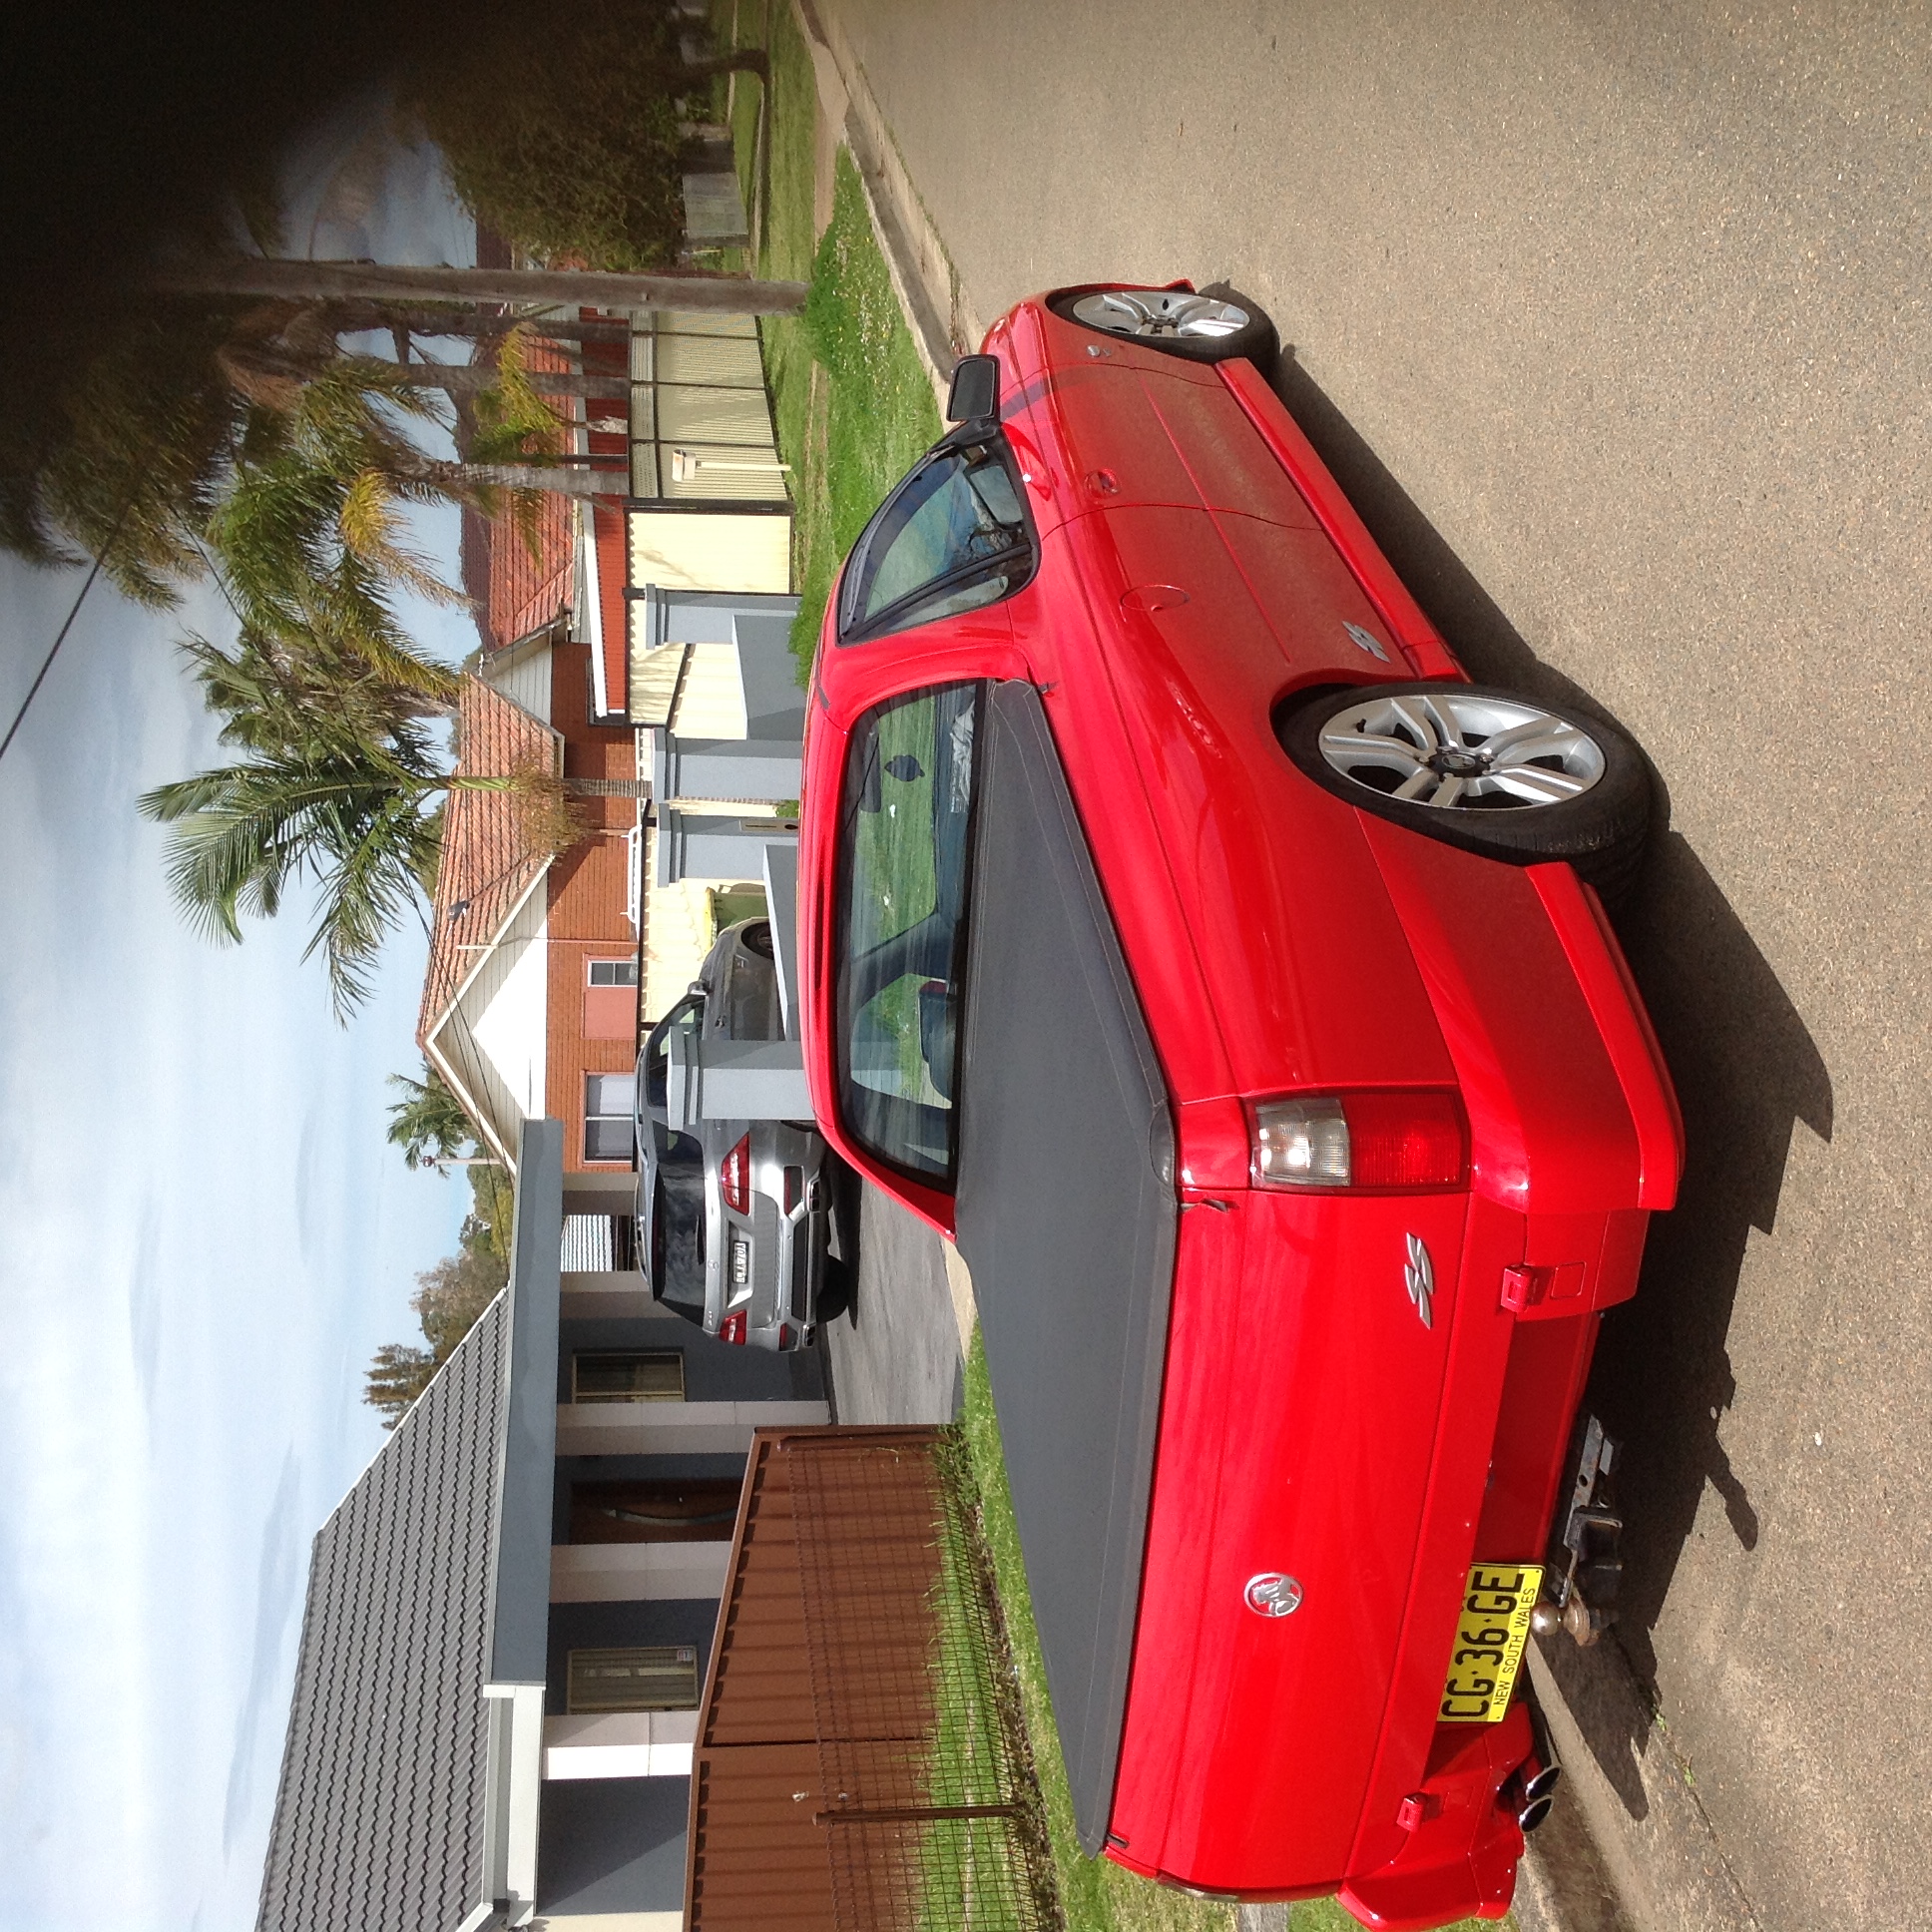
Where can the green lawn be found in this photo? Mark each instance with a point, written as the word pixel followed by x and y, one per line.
pixel 849 398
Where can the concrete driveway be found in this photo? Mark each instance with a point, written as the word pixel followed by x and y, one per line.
pixel 1613 320
pixel 895 1353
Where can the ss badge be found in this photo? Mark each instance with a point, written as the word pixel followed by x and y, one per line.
pixel 1420 1276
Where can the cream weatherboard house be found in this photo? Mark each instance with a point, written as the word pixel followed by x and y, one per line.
pixel 637 647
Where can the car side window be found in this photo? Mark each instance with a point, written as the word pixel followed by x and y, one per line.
pixel 952 537
pixel 905 822
pixel 685 1017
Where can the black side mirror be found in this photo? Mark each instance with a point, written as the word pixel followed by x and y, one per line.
pixel 975 394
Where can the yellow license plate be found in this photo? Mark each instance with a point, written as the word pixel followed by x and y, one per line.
pixel 1490 1635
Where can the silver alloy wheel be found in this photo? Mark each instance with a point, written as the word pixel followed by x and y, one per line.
pixel 1461 750
pixel 1160 312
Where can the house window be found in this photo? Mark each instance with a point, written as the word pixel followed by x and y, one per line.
pixel 606 1377
pixel 611 999
pixel 651 1677
pixel 608 1103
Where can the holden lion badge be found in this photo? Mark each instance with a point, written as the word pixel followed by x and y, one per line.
pixel 1272 1594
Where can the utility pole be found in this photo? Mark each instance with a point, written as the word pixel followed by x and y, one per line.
pixel 326 281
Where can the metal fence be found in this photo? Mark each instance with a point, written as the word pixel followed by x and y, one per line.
pixel 925 1808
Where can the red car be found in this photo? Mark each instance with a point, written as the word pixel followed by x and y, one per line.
pixel 1183 932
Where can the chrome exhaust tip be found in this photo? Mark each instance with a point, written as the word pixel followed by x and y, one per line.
pixel 1543 1784
pixel 1533 1813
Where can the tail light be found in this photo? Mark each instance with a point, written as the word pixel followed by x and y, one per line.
pixel 735 1178
pixel 732 1329
pixel 1414 1141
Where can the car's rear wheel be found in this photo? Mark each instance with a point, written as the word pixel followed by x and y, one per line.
pixel 1214 324
pixel 1489 771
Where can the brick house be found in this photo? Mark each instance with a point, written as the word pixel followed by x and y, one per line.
pixel 612 629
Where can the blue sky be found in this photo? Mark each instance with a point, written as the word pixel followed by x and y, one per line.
pixel 203 1234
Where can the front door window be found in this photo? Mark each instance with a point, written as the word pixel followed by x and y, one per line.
pixel 905 821
pixel 951 537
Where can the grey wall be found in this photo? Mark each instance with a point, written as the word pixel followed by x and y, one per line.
pixel 612 1845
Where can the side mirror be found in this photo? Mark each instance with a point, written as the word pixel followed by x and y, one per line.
pixel 975 394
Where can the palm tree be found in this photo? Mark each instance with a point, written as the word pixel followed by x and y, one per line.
pixel 354 817
pixel 428 1123
pixel 361 819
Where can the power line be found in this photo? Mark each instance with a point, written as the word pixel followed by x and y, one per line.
pixel 47 664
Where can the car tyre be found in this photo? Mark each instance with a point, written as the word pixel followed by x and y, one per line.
pixel 835 1291
pixel 1487 771
pixel 1212 324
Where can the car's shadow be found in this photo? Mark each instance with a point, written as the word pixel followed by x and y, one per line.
pixel 1747 1072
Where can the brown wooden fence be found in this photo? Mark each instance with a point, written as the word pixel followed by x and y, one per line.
pixel 861 1765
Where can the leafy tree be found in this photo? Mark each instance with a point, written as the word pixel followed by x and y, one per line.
pixel 355 818
pixel 428 1123
pixel 448 1300
pixel 568 145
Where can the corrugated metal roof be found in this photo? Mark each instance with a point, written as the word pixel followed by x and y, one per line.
pixel 379 1821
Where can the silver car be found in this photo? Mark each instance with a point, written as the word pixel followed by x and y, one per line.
pixel 734 1218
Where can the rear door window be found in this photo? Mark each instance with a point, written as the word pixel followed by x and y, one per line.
pixel 905 831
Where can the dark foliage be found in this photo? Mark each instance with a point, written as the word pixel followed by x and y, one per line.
pixel 448 1299
pixel 566 144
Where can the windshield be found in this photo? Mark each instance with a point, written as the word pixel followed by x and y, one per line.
pixel 951 538
pixel 678 1223
pixel 905 821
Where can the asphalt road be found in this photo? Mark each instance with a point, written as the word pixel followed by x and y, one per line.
pixel 1614 321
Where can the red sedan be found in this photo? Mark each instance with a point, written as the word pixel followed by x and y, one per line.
pixel 1185 935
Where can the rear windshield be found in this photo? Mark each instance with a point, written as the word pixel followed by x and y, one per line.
pixel 905 826
pixel 678 1224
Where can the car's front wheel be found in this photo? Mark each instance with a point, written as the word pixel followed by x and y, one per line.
pixel 1489 771
pixel 1214 324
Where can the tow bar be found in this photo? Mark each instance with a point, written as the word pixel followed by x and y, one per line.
pixel 1585 1568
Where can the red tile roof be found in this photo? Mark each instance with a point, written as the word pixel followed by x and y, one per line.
pixel 519 573
pixel 487 862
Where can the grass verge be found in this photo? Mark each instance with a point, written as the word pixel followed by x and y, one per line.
pixel 849 396
pixel 1097 1896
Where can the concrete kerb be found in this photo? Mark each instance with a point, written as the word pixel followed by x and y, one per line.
pixel 1592 1868
pixel 943 324
pixel 1657 1852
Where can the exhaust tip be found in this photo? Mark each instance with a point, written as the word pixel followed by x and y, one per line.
pixel 1533 1813
pixel 1544 1784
